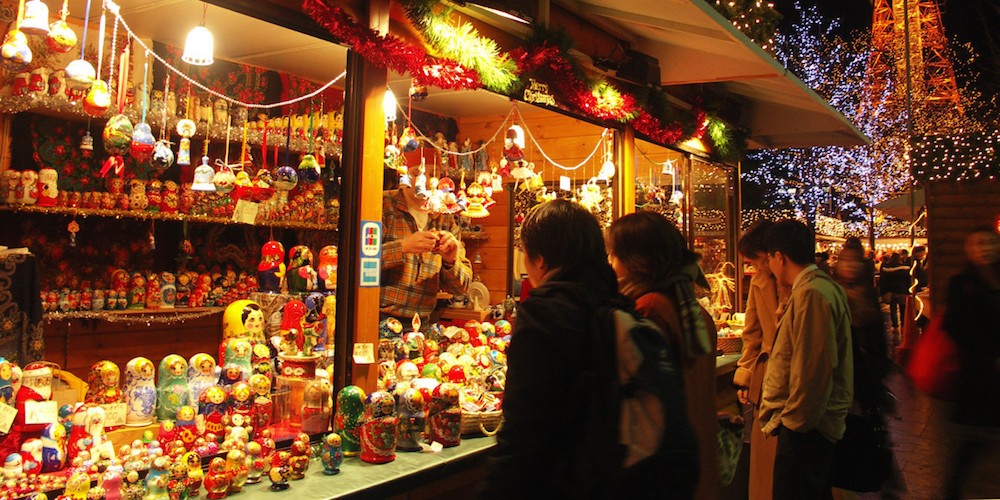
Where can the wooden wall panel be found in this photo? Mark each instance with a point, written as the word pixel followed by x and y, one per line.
pixel 492 250
pixel 954 210
pixel 78 344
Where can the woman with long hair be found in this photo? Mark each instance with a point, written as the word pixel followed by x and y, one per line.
pixel 656 269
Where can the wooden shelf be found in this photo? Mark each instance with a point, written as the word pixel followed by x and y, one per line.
pixel 162 315
pixel 142 215
pixel 475 236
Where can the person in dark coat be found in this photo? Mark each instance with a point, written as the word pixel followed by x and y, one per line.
pixel 540 447
pixel 970 319
pixel 894 284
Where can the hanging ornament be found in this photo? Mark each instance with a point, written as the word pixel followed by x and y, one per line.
pixel 309 169
pixel 117 140
pixel 203 175
pixel 73 228
pixel 87 143
pixel 61 37
pixel 98 99
pixel 143 143
pixel 224 179
pixel 285 179
pixel 186 128
pixel 152 235
pixel 418 92
pixel 15 53
pixel 475 196
pixel 162 157
pixel 36 18
pixel 263 186
pixel 80 74
pixel 408 140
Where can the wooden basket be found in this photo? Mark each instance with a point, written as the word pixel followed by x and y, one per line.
pixel 730 345
pixel 487 423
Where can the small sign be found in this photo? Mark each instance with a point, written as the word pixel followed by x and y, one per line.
pixel 371 253
pixel 7 415
pixel 538 93
pixel 245 212
pixel 564 183
pixel 364 354
pixel 41 412
pixel 114 414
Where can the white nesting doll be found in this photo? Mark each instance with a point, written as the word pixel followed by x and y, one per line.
pixel 140 392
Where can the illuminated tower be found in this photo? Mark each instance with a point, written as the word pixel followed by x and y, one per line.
pixel 932 80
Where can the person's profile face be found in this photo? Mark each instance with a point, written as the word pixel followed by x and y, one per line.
pixel 760 262
pixel 776 263
pixel 982 248
pixel 535 268
pixel 617 265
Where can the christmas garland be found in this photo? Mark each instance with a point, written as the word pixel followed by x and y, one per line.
pixel 388 51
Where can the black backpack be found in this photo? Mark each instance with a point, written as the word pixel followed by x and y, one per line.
pixel 625 387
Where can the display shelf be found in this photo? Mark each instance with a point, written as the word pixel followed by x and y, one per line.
pixel 475 236
pixel 142 215
pixel 62 108
pixel 164 315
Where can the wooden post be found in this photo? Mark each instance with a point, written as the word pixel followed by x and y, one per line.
pixel 361 199
pixel 624 191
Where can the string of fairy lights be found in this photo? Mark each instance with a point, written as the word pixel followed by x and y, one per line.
pixel 956 157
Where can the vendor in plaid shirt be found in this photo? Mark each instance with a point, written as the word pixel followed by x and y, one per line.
pixel 421 254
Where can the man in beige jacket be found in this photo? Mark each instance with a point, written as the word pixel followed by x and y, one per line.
pixel 809 384
pixel 758 340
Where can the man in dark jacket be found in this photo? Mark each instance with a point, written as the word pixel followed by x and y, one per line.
pixel 540 447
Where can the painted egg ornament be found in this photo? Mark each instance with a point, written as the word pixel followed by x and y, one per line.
pixel 98 100
pixel 431 370
pixel 456 374
pixel 117 134
pixel 285 178
pixel 502 327
pixel 389 328
pixel 163 156
pixel 143 143
pixel 80 75
pixel 224 180
pixel 15 51
pixel 309 168
pixel 61 37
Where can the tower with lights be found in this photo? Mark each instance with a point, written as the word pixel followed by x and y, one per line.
pixel 931 75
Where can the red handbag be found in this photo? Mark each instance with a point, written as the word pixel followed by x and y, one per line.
pixel 934 363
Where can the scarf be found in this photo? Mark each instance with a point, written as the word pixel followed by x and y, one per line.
pixel 679 286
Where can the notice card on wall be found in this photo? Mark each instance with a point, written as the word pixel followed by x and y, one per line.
pixel 7 414
pixel 114 414
pixel 364 354
pixel 564 183
pixel 245 212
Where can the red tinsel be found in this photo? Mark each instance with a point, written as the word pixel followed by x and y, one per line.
pixel 387 51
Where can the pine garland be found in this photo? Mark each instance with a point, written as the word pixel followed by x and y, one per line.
pixel 463 43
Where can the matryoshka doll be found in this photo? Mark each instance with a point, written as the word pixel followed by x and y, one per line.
pixel 202 374
pixel 326 269
pixel 53 447
pixel 298 462
pixel 291 326
pixel 48 182
pixel 230 375
pixel 255 463
pixel 177 478
pixel 212 406
pixel 378 432
pixel 332 455
pixel 153 291
pixel 195 475
pixel 261 360
pixel 241 404
pixel 217 479
pixel 271 268
pixel 140 392
pixel 6 382
pixel 444 416
pixel 412 419
pixel 172 388
pixel 316 406
pixel 136 295
pixel 280 471
pixel 301 276
pixel 237 351
pixel 168 290
pixel 236 467
pixel 347 419
pixel 262 404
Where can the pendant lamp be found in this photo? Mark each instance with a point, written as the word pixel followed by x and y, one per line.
pixel 200 45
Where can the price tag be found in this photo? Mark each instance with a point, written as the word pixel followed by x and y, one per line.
pixel 41 412
pixel 7 415
pixel 114 414
pixel 564 183
pixel 364 354
pixel 245 212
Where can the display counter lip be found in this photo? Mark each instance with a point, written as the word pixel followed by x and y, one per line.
pixel 409 471
pixel 146 215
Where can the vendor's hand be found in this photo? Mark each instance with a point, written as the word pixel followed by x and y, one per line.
pixel 419 242
pixel 447 247
pixel 744 395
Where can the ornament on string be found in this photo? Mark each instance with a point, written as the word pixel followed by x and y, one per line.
pixel 309 168
pixel 15 53
pixel 513 151
pixel 87 142
pixel 668 167
pixel 285 180
pixel 163 156
pixel 73 228
pixel 61 37
pixel 608 169
pixel 36 18
pixel 80 75
pixel 203 176
pixel 418 91
pixel 117 141
pixel 186 128
pixel 98 99
pixel 408 140
pixel 152 235
pixel 143 141
pixel 224 179
pixel 263 186
pixel 476 209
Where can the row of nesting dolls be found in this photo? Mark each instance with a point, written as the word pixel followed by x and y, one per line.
pixel 137 290
pixel 375 426
pixel 219 392
pixel 29 187
pixel 300 276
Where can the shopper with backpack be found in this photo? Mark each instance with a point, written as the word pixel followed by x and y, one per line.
pixel 656 269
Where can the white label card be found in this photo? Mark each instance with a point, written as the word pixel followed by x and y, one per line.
pixel 114 414
pixel 245 212
pixel 564 183
pixel 364 354
pixel 41 412
pixel 7 415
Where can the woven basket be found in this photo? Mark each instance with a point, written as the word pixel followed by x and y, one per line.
pixel 730 345
pixel 487 423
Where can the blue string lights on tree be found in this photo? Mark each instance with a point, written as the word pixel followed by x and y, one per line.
pixel 956 157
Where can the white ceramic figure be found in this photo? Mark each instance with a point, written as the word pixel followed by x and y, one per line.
pixel 140 392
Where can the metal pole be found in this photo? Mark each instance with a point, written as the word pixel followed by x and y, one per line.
pixel 909 106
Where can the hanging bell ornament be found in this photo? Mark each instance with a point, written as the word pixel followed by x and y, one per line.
pixel 87 143
pixel 118 135
pixel 203 175
pixel 36 18
pixel 61 37
pixel 224 179
pixel 163 156
pixel 15 52
pixel 98 99
pixel 80 74
pixel 143 143
pixel 309 169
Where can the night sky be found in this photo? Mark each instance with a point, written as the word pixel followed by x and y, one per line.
pixel 975 21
